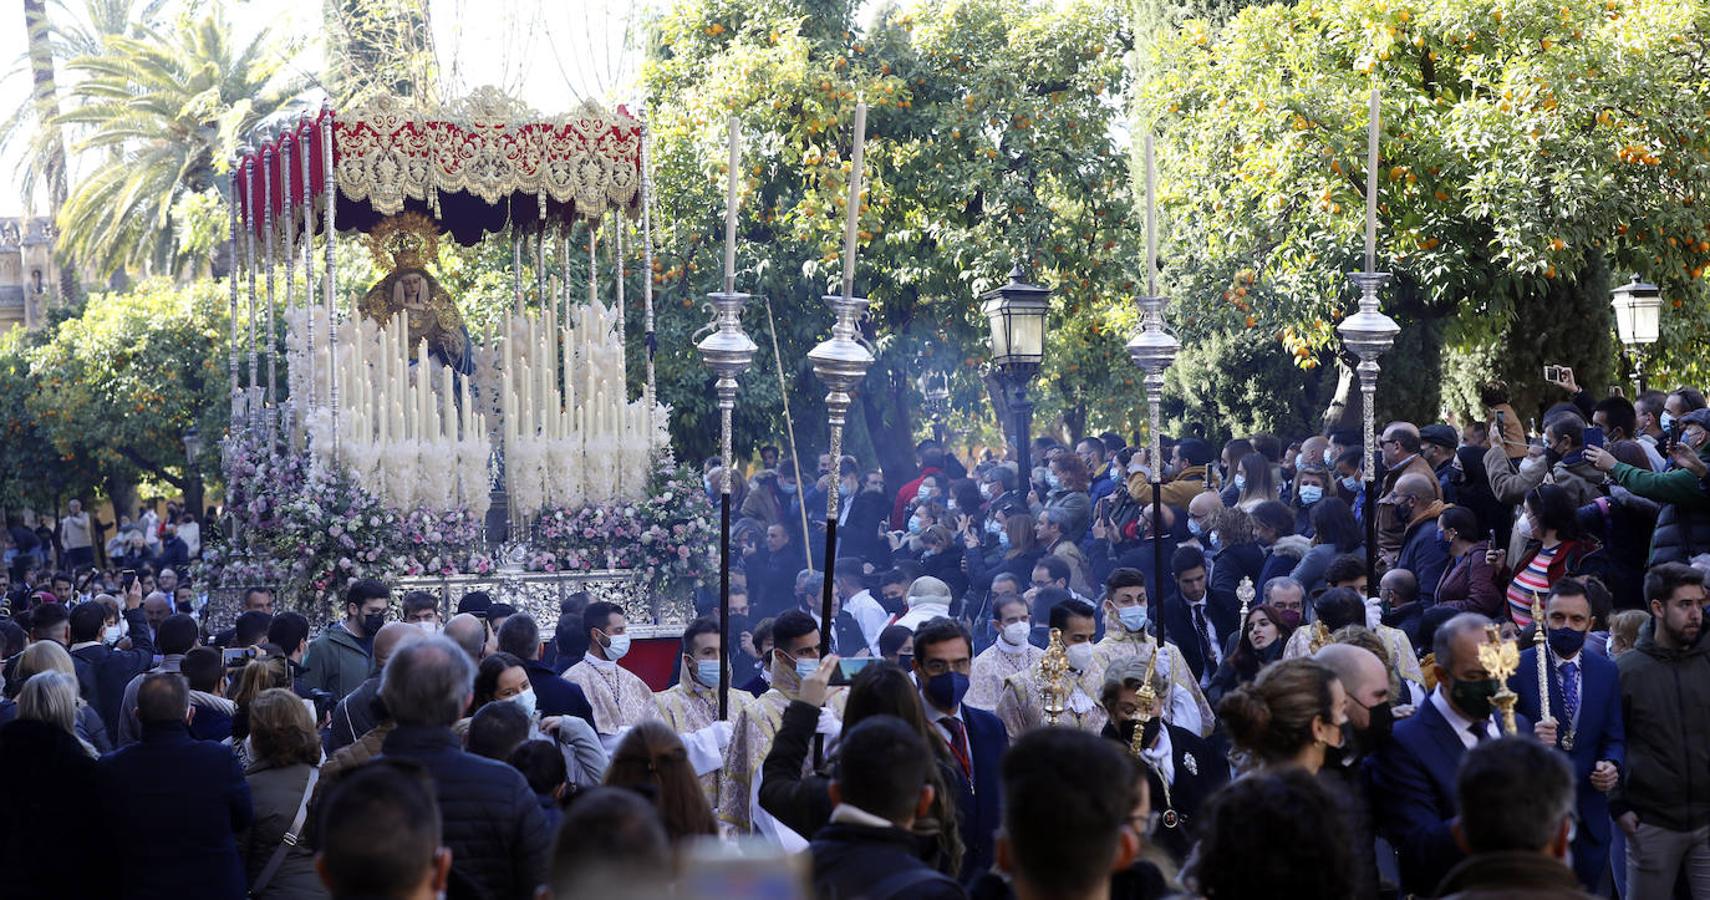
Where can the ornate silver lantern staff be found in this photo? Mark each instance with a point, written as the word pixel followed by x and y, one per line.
pixel 1153 349
pixel 840 363
pixel 727 352
pixel 1368 334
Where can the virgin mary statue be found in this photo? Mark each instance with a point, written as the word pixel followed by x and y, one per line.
pixel 402 244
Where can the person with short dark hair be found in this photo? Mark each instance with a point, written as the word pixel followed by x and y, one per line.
pixel 1197 624
pixel 611 843
pixel 496 729
pixel 1021 705
pixel 618 697
pixel 355 715
pixel 1275 833
pixel 1068 802
pixel 289 631
pixel 943 659
pixel 394 799
pixel 176 636
pixel 341 658
pixel 251 628
pixel 492 823
pixel 1011 653
pixel 1128 634
pixel 201 783
pixel 205 670
pixel 104 670
pixel 554 695
pixel 868 848
pixel 1517 802
pixel 690 706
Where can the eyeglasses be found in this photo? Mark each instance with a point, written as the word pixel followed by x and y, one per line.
pixel 939 666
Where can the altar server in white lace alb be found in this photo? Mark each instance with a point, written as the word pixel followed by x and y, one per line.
pixel 690 706
pixel 619 697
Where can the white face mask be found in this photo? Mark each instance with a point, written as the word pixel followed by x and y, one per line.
pixel 112 634
pixel 526 701
pixel 427 627
pixel 1015 633
pixel 618 647
pixel 1080 656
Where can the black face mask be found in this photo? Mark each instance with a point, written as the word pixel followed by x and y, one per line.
pixel 182 607
pixel 1473 697
pixel 892 605
pixel 738 624
pixel 1148 733
pixel 372 623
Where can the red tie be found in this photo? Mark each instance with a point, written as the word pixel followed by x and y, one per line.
pixel 958 743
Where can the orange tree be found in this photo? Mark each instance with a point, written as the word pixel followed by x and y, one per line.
pixel 989 143
pixel 1533 152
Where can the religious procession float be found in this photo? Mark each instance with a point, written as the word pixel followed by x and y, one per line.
pixel 374 435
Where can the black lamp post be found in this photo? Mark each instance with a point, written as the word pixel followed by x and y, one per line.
pixel 192 476
pixel 1016 313
pixel 1638 307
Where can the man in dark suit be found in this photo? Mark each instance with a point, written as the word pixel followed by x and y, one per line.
pixel 1585 706
pixel 943 659
pixel 102 671
pixel 1182 768
pixel 1194 624
pixel 179 802
pixel 1413 777
pixel 554 695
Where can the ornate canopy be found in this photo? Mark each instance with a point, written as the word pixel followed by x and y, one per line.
pixel 479 164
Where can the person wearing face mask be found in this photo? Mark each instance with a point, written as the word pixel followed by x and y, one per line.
pixel 1413 776
pixel 1310 482
pixel 102 669
pixel 1371 719
pixel 1010 654
pixel 1021 707
pixel 354 716
pixel 1683 524
pixel 1128 635
pixel 1068 479
pixel 1334 533
pixel 1261 643
pixel 932 462
pixel 943 653
pixel 794 657
pixel 1556 549
pixel 1293 715
pixel 618 696
pixel 1585 719
pixel 1182 768
pixel 1473 582
pixel 1562 459
pixel 865 510
pixel 690 706
pixel 1422 549
pixel 341 658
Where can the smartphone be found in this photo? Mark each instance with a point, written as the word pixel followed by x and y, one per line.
pixel 1594 436
pixel 1553 374
pixel 849 667
pixel 237 657
pixel 127 578
pixel 1673 436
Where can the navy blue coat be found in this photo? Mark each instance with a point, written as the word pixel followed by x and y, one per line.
pixel 103 672
pixel 870 863
pixel 1413 788
pixel 1599 735
pixel 492 820
pixel 179 802
pixel 1425 555
pixel 554 696
pixel 979 806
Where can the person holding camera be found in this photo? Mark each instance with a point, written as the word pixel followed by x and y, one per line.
pixel 1683 525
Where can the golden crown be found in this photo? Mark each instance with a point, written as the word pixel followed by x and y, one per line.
pixel 406 240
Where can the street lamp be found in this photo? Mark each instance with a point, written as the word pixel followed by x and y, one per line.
pixel 1016 314
pixel 192 449
pixel 935 394
pixel 1638 306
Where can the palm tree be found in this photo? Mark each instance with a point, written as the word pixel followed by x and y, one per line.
pixel 166 110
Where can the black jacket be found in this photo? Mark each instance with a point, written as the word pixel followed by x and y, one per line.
pixel 51 787
pixel 492 822
pixel 772 579
pixel 355 715
pixel 1229 565
pixel 1664 695
pixel 103 672
pixel 858 535
pixel 1199 772
pixel 865 862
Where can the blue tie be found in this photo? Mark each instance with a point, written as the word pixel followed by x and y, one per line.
pixel 1570 692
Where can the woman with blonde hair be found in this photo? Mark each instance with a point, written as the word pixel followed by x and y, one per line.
pixel 1254 482
pixel 1289 716
pixel 49 656
pixel 652 757
pixel 285 758
pixel 51 697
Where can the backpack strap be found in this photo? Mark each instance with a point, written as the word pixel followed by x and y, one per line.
pixel 290 838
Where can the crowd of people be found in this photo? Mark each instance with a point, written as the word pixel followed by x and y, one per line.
pixel 1010 698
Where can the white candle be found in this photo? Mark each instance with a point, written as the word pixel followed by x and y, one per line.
pixel 730 211
pixel 448 415
pixel 397 420
pixel 1372 186
pixel 1151 221
pixel 852 222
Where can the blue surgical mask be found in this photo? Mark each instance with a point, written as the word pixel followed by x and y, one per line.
pixel 925 492
pixel 788 488
pixel 1054 481
pixel 994 527
pixel 1666 421
pixel 707 672
pixel 914 524
pixel 1194 527
pixel 1310 494
pixel 946 689
pixel 1133 618
pixel 1003 540
pixel 1240 481
pixel 1350 483
pixel 806 667
pixel 1329 458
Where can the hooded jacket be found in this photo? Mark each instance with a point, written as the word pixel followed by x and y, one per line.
pixel 1664 693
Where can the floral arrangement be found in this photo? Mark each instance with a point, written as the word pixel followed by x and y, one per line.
pixel 312 531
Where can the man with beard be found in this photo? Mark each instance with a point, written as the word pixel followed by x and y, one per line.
pixel 1585 703
pixel 1665 688
pixel 1366 680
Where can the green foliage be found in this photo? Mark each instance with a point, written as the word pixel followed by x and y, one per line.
pixel 163 110
pixel 1235 383
pixel 379 46
pixel 1524 143
pixel 115 388
pixel 988 144
pixel 32 470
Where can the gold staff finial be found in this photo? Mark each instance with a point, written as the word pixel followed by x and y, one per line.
pixel 1053 678
pixel 1501 659
pixel 1247 594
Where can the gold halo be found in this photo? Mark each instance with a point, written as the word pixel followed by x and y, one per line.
pixel 406 240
